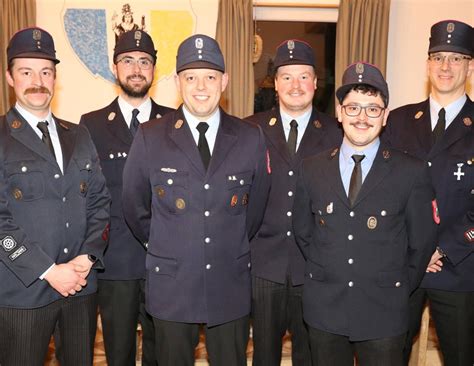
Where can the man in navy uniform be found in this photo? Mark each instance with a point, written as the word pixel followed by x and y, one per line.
pixel 54 212
pixel 363 218
pixel 121 285
pixel 195 187
pixel 439 130
pixel 293 130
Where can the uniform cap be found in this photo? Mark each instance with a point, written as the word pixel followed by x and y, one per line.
pixel 135 40
pixel 199 52
pixel 452 36
pixel 294 52
pixel 32 43
pixel 362 73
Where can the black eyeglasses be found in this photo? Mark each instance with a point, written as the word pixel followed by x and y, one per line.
pixel 143 63
pixel 371 111
pixel 455 59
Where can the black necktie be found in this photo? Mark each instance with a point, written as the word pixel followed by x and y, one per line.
pixel 203 146
pixel 134 123
pixel 356 178
pixel 440 126
pixel 293 137
pixel 43 127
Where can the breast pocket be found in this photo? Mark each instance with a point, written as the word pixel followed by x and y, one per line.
pixel 25 179
pixel 171 191
pixel 238 192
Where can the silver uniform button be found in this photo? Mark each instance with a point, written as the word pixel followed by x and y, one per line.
pixel 24 169
pixel 288 213
pixel 429 163
pixel 351 284
pixel 208 266
pixel 310 275
pixel 88 166
pixel 111 156
pixel 169 181
pixel 290 173
pixel 57 176
pixel 206 213
pixel 65 250
pixel 350 261
pixel 288 233
pixel 290 193
pixel 207 240
pixel 157 269
pixel 64 199
pixel 383 213
pixel 350 237
pixel 206 186
pixel 242 182
pixel 352 214
pixel 67 224
pixel 397 284
pixel 249 265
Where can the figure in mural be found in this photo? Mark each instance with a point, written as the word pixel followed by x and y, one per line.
pixel 127 24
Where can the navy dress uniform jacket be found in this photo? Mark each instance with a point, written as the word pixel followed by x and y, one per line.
pixel 409 130
pixel 198 224
pixel 363 261
pixel 274 250
pixel 124 258
pixel 46 216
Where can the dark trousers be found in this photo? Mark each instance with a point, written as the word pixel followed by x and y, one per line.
pixel 226 343
pixel 453 316
pixel 122 307
pixel 330 349
pixel 25 333
pixel 275 308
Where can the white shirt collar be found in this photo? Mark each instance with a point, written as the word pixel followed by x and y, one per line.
pixel 126 109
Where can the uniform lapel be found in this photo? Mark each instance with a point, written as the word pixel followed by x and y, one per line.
pixel 225 140
pixel 273 129
pixel 311 136
pixel 23 133
pixel 333 176
pixel 180 134
pixel 422 123
pixel 379 170
pixel 116 124
pixel 67 138
pixel 459 128
pixel 155 111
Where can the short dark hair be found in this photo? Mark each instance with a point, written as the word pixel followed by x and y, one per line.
pixel 367 90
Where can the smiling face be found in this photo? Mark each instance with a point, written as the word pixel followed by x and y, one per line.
pixel 448 80
pixel 33 81
pixel 361 131
pixel 295 85
pixel 201 90
pixel 134 81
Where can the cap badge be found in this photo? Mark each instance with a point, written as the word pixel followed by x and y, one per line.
pixel 138 35
pixel 467 121
pixel 111 116
pixel 178 124
pixel 450 27
pixel 291 44
pixel 418 114
pixel 199 43
pixel 36 34
pixel 359 68
pixel 272 122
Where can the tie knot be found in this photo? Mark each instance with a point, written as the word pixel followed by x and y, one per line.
pixel 358 158
pixel 293 124
pixel 135 113
pixel 442 113
pixel 43 126
pixel 202 127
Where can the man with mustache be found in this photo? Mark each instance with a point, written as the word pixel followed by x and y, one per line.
pixel 439 130
pixel 54 213
pixel 121 285
pixel 363 218
pixel 293 130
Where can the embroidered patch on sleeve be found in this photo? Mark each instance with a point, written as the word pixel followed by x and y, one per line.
pixel 17 253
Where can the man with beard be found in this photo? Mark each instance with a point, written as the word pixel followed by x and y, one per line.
pixel 121 284
pixel 293 131
pixel 54 212
pixel 439 130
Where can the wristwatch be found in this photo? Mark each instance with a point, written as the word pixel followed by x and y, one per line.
pixel 440 251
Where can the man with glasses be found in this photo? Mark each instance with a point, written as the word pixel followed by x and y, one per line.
pixel 121 285
pixel 293 130
pixel 363 218
pixel 439 130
